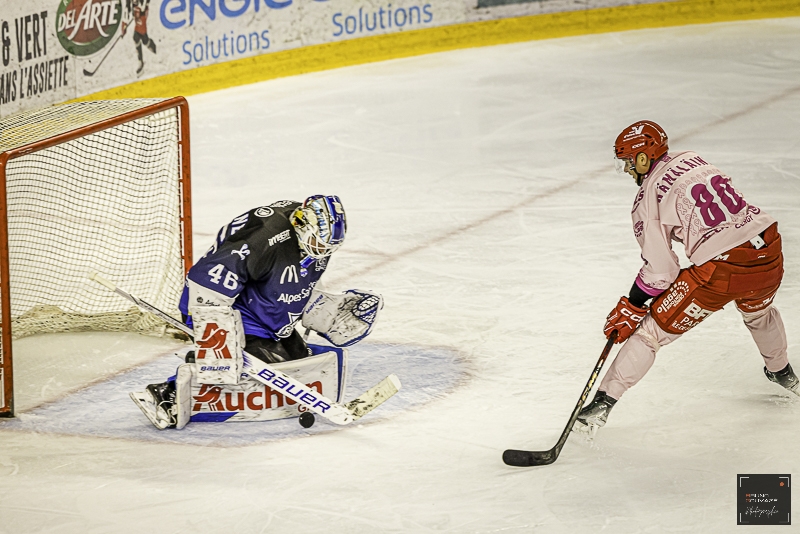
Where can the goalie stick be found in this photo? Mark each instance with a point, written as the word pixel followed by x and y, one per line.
pixel 340 414
pixel 519 458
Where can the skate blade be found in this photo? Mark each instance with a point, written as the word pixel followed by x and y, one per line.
pixel 588 430
pixel 144 401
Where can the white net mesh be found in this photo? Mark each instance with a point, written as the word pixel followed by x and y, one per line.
pixel 109 202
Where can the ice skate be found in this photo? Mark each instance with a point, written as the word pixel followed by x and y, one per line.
pixel 141 68
pixel 157 403
pixel 786 378
pixel 595 414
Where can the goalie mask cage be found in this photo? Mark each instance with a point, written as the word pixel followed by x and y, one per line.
pixel 100 186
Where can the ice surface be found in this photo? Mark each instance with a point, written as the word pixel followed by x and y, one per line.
pixel 428 373
pixel 483 205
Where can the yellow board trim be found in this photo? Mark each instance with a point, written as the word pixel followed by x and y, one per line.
pixel 443 38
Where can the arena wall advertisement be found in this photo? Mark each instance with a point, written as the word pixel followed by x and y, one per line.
pixel 59 50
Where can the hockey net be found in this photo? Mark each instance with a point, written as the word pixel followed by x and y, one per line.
pixel 100 186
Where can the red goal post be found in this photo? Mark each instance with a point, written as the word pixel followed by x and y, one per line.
pixel 97 186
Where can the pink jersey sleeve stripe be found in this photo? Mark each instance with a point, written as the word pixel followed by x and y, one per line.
pixel 647 289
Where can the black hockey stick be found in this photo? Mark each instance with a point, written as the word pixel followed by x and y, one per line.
pixel 110 48
pixel 531 458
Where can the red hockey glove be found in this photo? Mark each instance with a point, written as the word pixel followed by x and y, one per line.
pixel 624 318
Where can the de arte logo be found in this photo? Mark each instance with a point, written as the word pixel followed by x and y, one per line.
pixel 85 27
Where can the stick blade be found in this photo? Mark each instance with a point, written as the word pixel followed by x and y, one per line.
pixel 518 458
pixel 374 397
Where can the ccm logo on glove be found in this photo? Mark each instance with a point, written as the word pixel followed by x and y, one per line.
pixel 624 318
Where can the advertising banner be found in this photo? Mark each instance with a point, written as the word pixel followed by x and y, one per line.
pixel 35 69
pixel 57 50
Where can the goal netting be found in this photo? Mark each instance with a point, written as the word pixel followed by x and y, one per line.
pixel 100 186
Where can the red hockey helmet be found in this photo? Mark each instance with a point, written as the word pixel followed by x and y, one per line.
pixel 642 136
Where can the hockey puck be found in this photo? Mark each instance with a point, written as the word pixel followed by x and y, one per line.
pixel 307 419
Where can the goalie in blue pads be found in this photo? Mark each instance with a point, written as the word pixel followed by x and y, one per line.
pixel 249 292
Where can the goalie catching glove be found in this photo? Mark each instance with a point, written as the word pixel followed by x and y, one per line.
pixel 625 319
pixel 344 319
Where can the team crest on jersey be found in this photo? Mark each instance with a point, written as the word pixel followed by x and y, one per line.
pixel 281 203
pixel 286 331
pixel 264 212
pixel 638 228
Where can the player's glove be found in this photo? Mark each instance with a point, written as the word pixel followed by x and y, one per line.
pixel 624 318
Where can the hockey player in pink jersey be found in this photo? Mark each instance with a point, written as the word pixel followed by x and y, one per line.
pixel 734 248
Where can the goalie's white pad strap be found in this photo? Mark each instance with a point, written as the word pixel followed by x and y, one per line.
pixel 219 341
pixel 343 319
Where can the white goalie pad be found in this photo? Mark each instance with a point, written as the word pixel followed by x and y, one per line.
pixel 219 341
pixel 251 400
pixel 184 380
pixel 343 319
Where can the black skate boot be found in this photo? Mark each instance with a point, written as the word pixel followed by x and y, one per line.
pixel 786 378
pixel 595 414
pixel 163 399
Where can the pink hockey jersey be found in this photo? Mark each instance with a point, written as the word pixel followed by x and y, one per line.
pixel 688 200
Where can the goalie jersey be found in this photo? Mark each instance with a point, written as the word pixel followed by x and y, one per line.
pixel 256 262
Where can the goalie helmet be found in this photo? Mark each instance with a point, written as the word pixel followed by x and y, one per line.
pixel 642 137
pixel 321 225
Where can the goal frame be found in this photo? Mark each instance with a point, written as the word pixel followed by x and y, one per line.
pixel 184 164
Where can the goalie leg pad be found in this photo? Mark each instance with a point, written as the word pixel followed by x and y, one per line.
pixel 219 340
pixel 184 380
